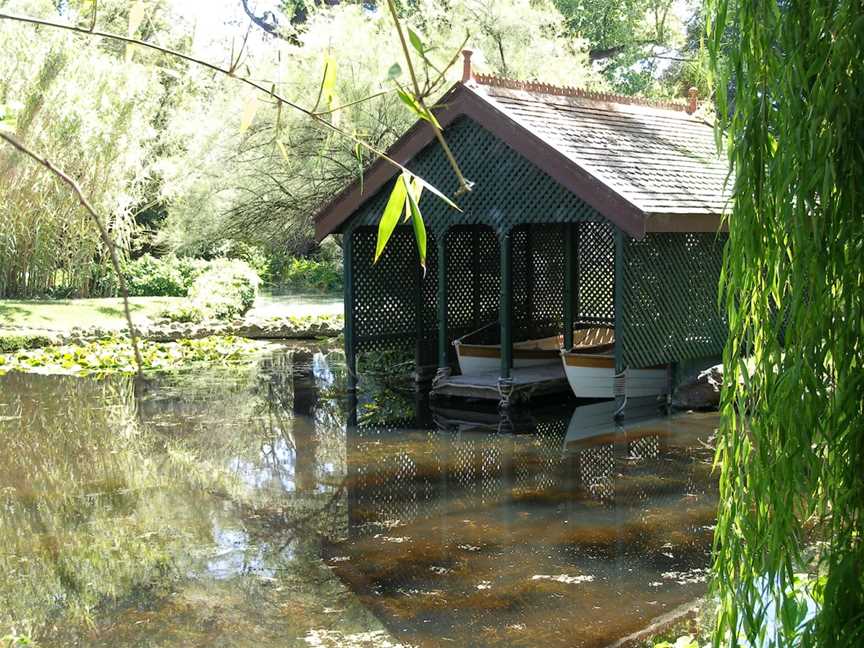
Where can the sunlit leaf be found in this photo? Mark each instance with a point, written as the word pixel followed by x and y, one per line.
pixel 416 41
pixel 416 107
pixel 438 193
pixel 358 155
pixel 249 110
pixel 390 218
pixel 282 150
pixel 136 16
pixel 415 188
pixel 394 71
pixel 328 84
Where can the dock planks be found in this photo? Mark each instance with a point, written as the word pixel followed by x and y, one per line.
pixel 528 382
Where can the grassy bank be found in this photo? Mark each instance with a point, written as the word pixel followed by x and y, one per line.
pixel 63 315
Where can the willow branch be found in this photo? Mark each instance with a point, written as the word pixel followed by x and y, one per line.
pixel 103 232
pixel 271 92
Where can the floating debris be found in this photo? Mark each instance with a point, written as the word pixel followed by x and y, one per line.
pixel 564 578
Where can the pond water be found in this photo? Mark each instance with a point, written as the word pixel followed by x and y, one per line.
pixel 246 507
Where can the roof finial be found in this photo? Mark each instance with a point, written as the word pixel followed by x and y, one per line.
pixel 694 99
pixel 467 72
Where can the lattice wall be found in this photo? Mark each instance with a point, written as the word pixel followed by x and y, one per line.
pixel 508 189
pixel 394 304
pixel 595 284
pixel 670 309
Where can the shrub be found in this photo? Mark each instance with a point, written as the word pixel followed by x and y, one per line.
pixel 251 254
pixel 227 290
pixel 168 276
pixel 323 275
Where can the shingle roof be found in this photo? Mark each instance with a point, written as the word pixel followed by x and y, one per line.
pixel 646 166
pixel 658 157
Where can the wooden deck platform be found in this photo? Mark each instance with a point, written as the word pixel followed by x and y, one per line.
pixel 528 383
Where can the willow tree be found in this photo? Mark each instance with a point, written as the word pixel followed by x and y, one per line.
pixel 792 440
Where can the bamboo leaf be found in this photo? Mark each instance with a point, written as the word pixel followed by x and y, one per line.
pixel 416 41
pixel 282 150
pixel 409 100
pixel 394 71
pixel 417 108
pixel 390 217
pixel 438 193
pixel 136 17
pixel 414 189
pixel 328 85
pixel 248 114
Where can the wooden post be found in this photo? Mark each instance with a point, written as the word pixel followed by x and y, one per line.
pixel 348 278
pixel 505 304
pixel 443 342
pixel 569 281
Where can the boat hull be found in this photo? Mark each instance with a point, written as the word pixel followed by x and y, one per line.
pixel 593 376
pixel 483 358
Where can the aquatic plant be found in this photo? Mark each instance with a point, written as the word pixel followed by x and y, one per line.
pixel 115 355
pixel 789 92
pixel 9 343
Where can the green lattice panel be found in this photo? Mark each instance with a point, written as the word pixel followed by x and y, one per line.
pixel 547 279
pixel 595 284
pixel 670 298
pixel 508 189
pixel 389 295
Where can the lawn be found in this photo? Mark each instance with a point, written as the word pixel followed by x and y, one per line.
pixel 64 314
pixel 61 315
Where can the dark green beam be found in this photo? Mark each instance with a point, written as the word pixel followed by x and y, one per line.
pixel 348 279
pixel 505 304
pixel 569 281
pixel 443 341
pixel 619 300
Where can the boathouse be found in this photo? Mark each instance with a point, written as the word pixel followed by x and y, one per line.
pixel 586 209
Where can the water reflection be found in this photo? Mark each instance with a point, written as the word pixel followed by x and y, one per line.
pixel 570 530
pixel 262 507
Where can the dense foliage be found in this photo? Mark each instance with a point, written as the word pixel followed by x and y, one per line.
pixel 323 275
pixel 168 276
pixel 792 442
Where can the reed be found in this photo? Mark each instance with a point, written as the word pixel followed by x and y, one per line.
pixel 90 116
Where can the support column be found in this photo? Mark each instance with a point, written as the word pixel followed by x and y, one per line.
pixel 505 304
pixel 620 384
pixel 569 281
pixel 348 278
pixel 443 342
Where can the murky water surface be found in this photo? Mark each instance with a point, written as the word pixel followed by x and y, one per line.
pixel 245 507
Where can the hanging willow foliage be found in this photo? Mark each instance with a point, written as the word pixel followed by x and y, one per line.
pixel 792 441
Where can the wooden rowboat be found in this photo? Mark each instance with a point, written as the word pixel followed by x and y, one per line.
pixel 486 358
pixel 592 375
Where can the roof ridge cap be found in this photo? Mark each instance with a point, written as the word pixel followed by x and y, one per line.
pixel 570 91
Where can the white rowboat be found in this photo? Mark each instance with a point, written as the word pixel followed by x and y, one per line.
pixel 592 375
pixel 486 358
